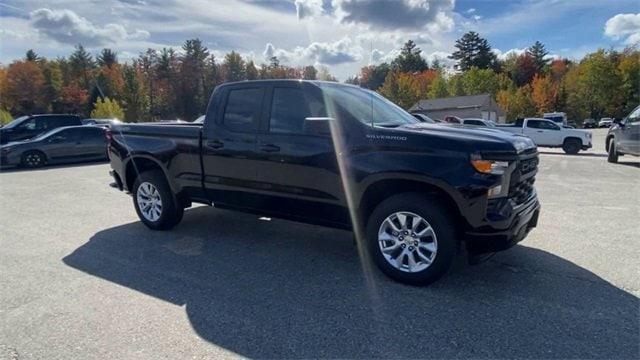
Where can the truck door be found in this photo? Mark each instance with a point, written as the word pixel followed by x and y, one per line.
pixel 542 132
pixel 229 145
pixel 298 168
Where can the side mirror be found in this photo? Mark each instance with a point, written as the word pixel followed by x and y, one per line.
pixel 318 125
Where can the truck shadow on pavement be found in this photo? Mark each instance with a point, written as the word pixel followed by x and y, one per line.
pixel 280 289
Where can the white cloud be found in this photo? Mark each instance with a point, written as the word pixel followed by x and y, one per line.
pixel 308 8
pixel 624 26
pixel 321 53
pixel 471 10
pixel 65 26
pixel 502 55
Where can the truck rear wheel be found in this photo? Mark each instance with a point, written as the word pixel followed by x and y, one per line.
pixel 571 146
pixel 155 203
pixel 412 239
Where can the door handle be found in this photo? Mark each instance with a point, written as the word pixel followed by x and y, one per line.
pixel 540 131
pixel 215 144
pixel 270 148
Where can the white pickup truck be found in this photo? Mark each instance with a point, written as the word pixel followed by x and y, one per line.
pixel 546 133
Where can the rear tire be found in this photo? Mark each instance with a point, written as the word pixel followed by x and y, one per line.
pixel 33 159
pixel 613 152
pixel 411 257
pixel 155 203
pixel 571 146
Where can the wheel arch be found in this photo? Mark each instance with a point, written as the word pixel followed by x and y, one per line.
pixel 381 189
pixel 138 164
pixel 570 138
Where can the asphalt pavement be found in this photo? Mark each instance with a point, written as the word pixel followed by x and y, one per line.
pixel 82 278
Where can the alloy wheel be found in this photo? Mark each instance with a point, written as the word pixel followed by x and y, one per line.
pixel 407 242
pixel 149 201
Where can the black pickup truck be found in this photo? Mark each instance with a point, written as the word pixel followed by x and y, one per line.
pixel 341 156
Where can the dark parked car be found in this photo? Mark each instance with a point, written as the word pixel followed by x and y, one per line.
pixel 27 127
pixel 624 137
pixel 61 145
pixel 589 124
pixel 341 156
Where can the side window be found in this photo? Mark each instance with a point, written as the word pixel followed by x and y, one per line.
pixel 71 135
pixel 243 109
pixel 63 134
pixel 93 134
pixel 45 123
pixel 66 121
pixel 28 124
pixel 288 110
pixel 549 125
pixel 534 124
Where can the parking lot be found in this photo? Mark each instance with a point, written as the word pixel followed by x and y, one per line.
pixel 81 277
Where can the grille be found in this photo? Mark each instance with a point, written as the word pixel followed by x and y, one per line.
pixel 522 190
pixel 527 166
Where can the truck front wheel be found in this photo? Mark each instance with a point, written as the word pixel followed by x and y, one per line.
pixel 154 201
pixel 411 238
pixel 571 146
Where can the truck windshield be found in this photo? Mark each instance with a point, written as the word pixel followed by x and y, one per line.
pixel 367 106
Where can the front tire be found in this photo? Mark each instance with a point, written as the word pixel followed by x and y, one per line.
pixel 612 156
pixel 571 146
pixel 411 238
pixel 155 203
pixel 33 159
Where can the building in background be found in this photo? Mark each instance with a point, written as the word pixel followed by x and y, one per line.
pixel 481 106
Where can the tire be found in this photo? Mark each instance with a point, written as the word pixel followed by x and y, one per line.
pixel 149 190
pixel 571 146
pixel 33 159
pixel 612 156
pixel 414 206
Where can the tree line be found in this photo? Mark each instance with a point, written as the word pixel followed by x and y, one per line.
pixel 154 86
pixel 164 84
pixel 605 83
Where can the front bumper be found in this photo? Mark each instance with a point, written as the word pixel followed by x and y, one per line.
pixel 490 239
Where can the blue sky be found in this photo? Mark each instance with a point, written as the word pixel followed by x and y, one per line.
pixel 342 35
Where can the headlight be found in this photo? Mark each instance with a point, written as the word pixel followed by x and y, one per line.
pixel 489 166
pixel 523 143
